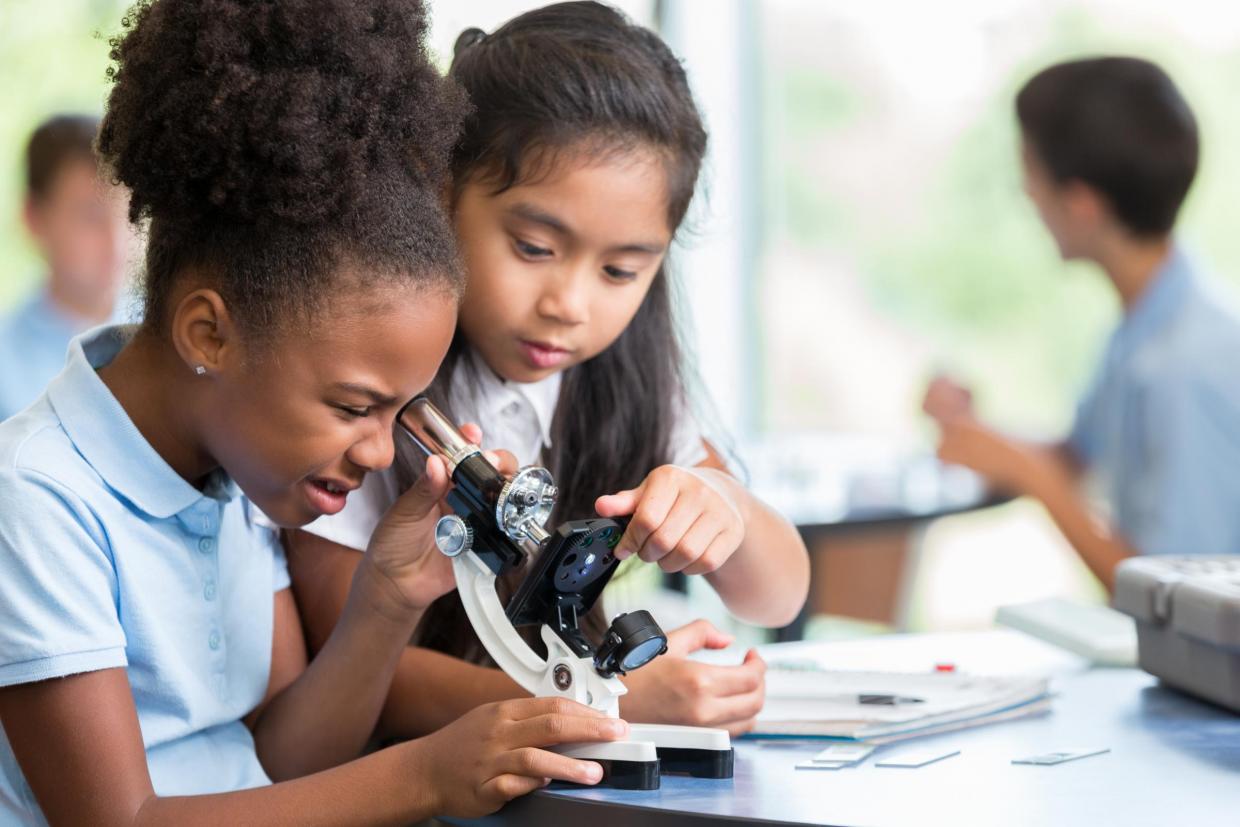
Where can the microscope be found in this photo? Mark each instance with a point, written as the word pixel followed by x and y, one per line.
pixel 497 525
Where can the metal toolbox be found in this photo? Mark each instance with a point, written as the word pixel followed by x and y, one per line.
pixel 1187 611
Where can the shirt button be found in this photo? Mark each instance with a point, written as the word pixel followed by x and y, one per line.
pixel 214 641
pixel 208 591
pixel 206 545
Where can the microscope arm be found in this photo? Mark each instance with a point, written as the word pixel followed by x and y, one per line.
pixel 561 674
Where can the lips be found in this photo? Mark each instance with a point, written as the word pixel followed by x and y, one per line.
pixel 543 355
pixel 327 496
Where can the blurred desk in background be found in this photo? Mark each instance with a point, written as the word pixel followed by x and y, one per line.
pixel 860 503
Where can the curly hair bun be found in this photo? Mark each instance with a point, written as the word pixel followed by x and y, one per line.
pixel 268 142
pixel 274 111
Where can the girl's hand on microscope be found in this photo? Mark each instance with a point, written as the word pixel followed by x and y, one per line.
pixel 495 753
pixel 672 689
pixel 684 519
pixel 402 551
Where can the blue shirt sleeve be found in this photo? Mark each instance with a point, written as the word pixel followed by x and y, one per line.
pixel 1191 487
pixel 58 586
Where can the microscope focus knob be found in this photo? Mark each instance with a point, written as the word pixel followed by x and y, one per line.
pixel 453 536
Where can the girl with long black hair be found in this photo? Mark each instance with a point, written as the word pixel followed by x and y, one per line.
pixel 573 174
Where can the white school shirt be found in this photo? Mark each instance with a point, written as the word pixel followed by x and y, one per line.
pixel 109 559
pixel 513 416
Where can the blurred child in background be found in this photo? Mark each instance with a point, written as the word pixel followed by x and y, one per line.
pixel 78 222
pixel 1110 150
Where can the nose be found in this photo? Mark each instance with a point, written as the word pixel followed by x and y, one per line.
pixel 376 450
pixel 566 296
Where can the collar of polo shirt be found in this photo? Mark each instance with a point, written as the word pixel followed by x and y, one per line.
pixel 110 441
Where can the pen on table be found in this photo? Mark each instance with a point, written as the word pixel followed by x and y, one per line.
pixel 874 699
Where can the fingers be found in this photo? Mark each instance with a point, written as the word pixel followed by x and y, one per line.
pixel 540 763
pixel 436 476
pixel 739 728
pixel 716 554
pixel 678 521
pixel 424 495
pixel 620 503
pixel 665 544
pixel 523 708
pixel 556 728
pixel 656 498
pixel 700 634
pixel 504 461
pixel 508 786
pixel 544 722
pixel 691 546
pixel 743 679
pixel 714 638
pixel 735 709
pixel 733 695
pixel 946 400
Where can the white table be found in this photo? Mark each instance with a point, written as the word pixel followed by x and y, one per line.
pixel 1173 760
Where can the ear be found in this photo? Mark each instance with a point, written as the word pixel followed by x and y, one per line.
pixel 1085 205
pixel 204 332
pixel 32 217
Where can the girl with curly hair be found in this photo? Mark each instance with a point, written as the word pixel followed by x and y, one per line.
pixel 287 159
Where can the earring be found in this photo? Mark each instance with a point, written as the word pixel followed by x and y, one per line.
pixel 200 370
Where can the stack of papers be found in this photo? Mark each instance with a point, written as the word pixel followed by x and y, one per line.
pixel 881 707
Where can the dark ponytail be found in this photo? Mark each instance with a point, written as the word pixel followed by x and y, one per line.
pixel 553 80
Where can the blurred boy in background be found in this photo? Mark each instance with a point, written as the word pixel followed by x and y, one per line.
pixel 78 222
pixel 1110 150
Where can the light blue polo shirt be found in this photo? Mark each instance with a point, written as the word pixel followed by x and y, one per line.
pixel 1160 424
pixel 108 559
pixel 33 342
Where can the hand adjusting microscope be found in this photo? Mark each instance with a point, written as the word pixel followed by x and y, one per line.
pixel 498 524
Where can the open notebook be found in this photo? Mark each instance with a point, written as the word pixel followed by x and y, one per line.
pixel 804 701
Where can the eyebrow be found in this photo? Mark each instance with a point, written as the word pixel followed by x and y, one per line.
pixel 373 395
pixel 531 213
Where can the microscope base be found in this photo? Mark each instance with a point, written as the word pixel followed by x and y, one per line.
pixel 696 763
pixel 630 775
pixel 688 750
pixel 627 765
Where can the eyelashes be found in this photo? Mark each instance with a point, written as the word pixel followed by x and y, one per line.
pixel 531 250
pixel 534 252
pixel 619 274
pixel 351 412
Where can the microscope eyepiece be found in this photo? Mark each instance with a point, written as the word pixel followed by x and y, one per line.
pixel 434 433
